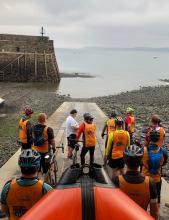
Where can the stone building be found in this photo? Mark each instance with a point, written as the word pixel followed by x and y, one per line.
pixel 27 58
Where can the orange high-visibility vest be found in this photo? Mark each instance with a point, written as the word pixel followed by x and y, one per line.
pixel 45 147
pixel 22 198
pixel 89 135
pixel 120 142
pixel 131 126
pixel 145 168
pixel 23 131
pixel 110 125
pixel 140 192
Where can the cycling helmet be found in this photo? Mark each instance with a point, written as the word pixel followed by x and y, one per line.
pixel 154 135
pixel 29 159
pixel 113 114
pixel 119 121
pixel 130 110
pixel 87 116
pixel 27 110
pixel 133 156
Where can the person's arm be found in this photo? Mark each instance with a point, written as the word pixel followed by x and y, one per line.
pixel 128 138
pixel 127 122
pixel 104 129
pixel 3 197
pixel 74 125
pixel 153 200
pixel 80 131
pixel 165 156
pixel 29 132
pixel 51 138
pixel 108 147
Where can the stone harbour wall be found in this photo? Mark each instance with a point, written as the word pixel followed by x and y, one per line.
pixel 27 58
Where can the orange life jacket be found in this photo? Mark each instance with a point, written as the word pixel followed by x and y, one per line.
pixel 89 135
pixel 110 125
pixel 21 198
pixel 162 136
pixel 140 193
pixel 23 131
pixel 131 126
pixel 145 168
pixel 45 147
pixel 161 132
pixel 120 142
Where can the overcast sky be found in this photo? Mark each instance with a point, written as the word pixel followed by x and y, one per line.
pixel 81 23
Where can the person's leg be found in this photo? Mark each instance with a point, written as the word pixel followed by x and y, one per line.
pixel 115 172
pixel 91 151
pixel 71 144
pixel 158 187
pixel 82 155
pixel 44 164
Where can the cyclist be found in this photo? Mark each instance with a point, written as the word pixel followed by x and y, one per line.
pixel 130 122
pixel 20 194
pixel 134 184
pixel 155 124
pixel 43 140
pixel 109 125
pixel 88 129
pixel 25 128
pixel 71 131
pixel 153 159
pixel 118 140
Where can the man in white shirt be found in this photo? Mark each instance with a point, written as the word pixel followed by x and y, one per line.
pixel 71 131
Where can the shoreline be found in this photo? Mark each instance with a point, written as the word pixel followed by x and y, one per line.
pixel 76 75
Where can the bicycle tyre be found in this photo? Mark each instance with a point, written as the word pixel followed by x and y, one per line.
pixel 53 172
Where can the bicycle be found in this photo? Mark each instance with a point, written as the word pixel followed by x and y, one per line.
pixel 50 160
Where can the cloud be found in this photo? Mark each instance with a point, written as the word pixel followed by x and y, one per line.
pixel 75 23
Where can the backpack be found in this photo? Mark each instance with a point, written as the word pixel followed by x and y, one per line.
pixel 38 137
pixel 154 160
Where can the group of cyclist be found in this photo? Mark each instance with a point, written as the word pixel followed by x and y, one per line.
pixel 20 194
pixel 136 169
pixel 143 161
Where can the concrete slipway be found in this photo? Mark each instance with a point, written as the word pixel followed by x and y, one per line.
pixel 57 122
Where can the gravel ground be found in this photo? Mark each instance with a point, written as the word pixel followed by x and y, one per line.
pixel 42 98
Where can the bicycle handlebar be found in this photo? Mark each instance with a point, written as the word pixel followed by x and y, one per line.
pixel 62 148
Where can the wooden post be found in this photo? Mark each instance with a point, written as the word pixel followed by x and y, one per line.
pixel 18 66
pixel 46 69
pixel 35 70
pixel 11 68
pixel 25 63
pixel 56 66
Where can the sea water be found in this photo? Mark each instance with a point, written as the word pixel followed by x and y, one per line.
pixel 115 70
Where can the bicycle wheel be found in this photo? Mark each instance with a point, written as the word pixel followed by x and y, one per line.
pixel 53 172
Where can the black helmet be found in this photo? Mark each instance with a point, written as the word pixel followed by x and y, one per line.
pixel 29 159
pixel 133 156
pixel 154 135
pixel 113 114
pixel 119 121
pixel 87 116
